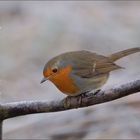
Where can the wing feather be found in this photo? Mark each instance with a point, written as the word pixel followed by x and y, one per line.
pixel 88 64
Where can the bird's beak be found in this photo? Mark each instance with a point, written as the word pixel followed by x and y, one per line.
pixel 43 80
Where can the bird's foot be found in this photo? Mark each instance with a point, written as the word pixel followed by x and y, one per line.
pixel 84 94
pixel 97 91
pixel 81 96
pixel 69 100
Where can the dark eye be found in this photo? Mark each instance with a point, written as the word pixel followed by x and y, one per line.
pixel 54 70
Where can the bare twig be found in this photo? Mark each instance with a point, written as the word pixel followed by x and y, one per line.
pixel 1 122
pixel 14 109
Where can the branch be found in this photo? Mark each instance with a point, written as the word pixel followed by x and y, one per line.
pixel 14 109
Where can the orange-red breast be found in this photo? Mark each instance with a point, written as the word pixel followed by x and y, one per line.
pixel 78 72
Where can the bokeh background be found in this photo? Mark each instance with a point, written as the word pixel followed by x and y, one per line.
pixel 33 32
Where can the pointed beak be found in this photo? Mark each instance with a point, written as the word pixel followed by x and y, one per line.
pixel 43 80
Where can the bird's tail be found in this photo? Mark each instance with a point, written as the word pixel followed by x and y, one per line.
pixel 118 55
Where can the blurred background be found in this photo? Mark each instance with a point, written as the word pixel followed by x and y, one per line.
pixel 33 32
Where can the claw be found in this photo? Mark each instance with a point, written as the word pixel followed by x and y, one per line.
pixel 97 91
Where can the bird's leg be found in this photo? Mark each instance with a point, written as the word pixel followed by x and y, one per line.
pixel 77 99
pixel 82 95
pixel 67 102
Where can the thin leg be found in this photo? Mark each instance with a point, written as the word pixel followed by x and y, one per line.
pixel 68 102
pixel 82 95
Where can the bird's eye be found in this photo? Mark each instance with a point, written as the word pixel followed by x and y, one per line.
pixel 54 70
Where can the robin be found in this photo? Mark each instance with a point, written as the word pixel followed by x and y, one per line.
pixel 77 72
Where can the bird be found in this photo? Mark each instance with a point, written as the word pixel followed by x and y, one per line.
pixel 78 72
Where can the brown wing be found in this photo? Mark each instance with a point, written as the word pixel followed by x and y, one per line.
pixel 87 64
